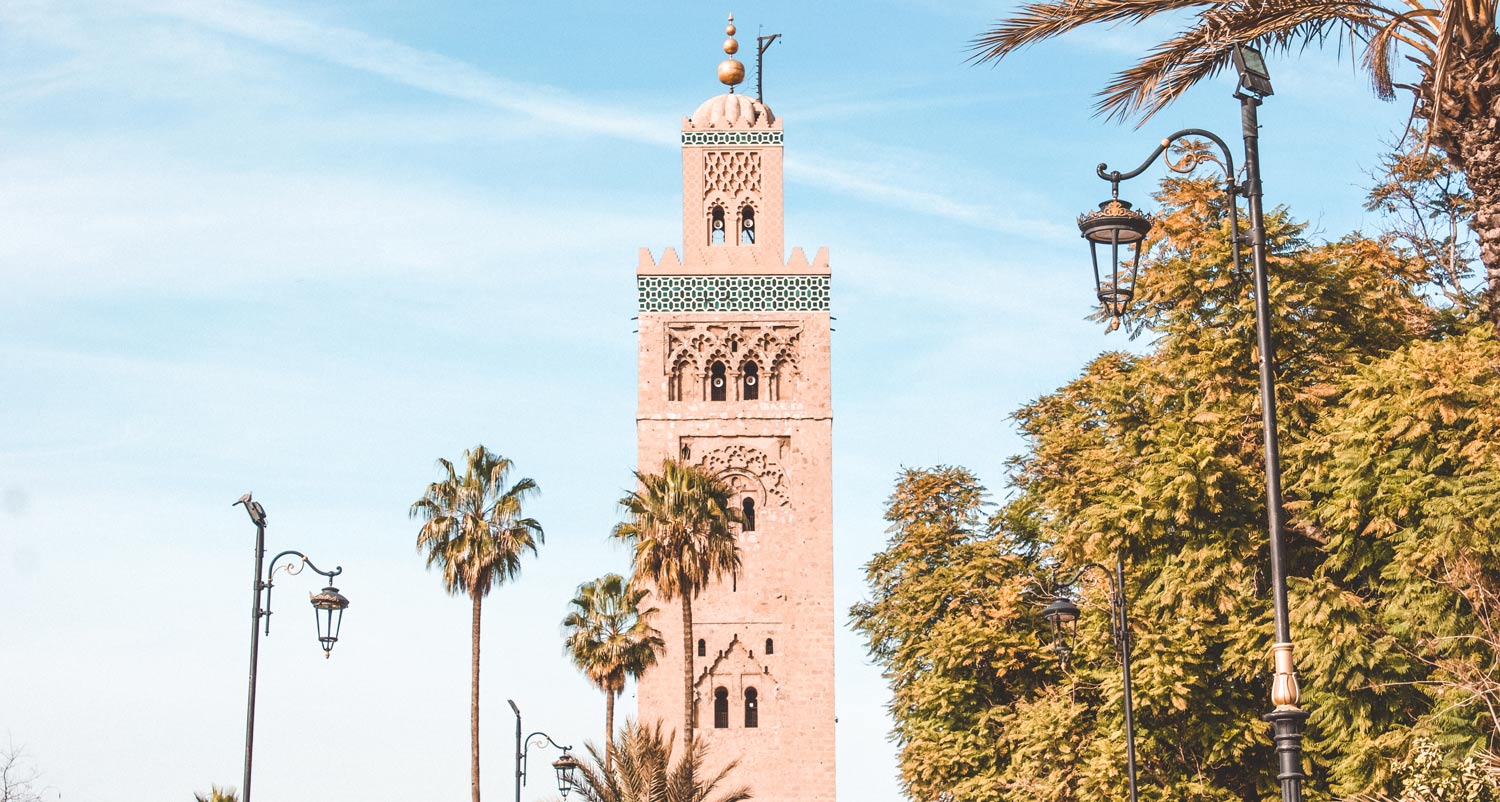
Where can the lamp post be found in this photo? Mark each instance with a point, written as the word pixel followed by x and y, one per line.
pixel 565 766
pixel 1062 614
pixel 1115 226
pixel 328 610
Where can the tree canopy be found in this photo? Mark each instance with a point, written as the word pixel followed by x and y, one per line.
pixel 1389 403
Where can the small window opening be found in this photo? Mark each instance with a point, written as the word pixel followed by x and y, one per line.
pixel 748 508
pixel 687 453
pixel 752 708
pixel 716 226
pixel 770 646
pixel 747 226
pixel 716 386
pixel 721 708
pixel 752 382
pixel 702 648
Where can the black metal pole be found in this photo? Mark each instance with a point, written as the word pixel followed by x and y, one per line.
pixel 1286 718
pixel 519 753
pixel 255 616
pixel 1122 613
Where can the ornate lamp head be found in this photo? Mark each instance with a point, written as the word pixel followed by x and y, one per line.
pixel 1115 225
pixel 328 608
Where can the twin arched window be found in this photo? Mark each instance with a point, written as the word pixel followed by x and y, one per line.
pixel 721 708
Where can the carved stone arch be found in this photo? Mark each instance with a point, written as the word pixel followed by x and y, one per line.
pixel 733 340
pixel 738 463
pixel 721 217
pixel 768 343
pixel 682 375
pixel 784 377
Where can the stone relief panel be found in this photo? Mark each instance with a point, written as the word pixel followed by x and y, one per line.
pixel 735 174
pixel 733 361
pixel 749 471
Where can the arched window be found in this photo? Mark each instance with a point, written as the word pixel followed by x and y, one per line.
pixel 721 708
pixel 716 386
pixel 716 226
pixel 770 646
pixel 751 390
pixel 747 225
pixel 752 708
pixel 702 648
pixel 748 508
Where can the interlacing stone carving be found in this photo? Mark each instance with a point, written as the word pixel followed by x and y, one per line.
pixel 771 346
pixel 735 174
pixel 738 462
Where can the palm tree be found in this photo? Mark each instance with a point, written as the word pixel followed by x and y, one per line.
pixel 216 794
pixel 610 638
pixel 473 530
pixel 1454 44
pixel 638 767
pixel 681 527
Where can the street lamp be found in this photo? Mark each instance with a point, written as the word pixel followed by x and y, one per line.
pixel 328 610
pixel 565 766
pixel 1062 614
pixel 1116 224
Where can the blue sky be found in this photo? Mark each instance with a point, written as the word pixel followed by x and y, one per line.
pixel 307 248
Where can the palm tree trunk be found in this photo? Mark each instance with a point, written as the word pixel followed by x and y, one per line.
pixel 474 705
pixel 1469 132
pixel 609 730
pixel 689 710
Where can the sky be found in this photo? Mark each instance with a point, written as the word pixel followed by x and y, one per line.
pixel 305 249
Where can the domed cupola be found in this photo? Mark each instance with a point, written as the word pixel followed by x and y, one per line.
pixel 731 163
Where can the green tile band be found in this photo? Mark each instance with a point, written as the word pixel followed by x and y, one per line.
pixel 731 138
pixel 734 293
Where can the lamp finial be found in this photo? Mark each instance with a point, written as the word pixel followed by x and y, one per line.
pixel 731 72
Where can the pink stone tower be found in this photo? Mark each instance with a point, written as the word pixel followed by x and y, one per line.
pixel 734 376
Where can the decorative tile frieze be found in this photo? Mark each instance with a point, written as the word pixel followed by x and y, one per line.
pixel 733 293
pixel 731 137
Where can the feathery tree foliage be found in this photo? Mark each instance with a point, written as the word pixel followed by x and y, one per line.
pixel 217 794
pixel 638 767
pixel 610 638
pixel 681 527
pixel 474 531
pixel 1390 420
pixel 1453 44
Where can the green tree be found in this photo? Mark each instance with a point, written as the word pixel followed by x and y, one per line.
pixel 948 621
pixel 610 638
pixel 638 767
pixel 1159 455
pixel 681 527
pixel 1454 45
pixel 475 532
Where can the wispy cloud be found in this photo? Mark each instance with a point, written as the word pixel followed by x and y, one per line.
pixel 418 69
pixel 448 77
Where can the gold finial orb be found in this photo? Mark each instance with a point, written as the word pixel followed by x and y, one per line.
pixel 731 72
pixel 731 46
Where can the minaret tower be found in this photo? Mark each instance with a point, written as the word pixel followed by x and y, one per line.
pixel 734 377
